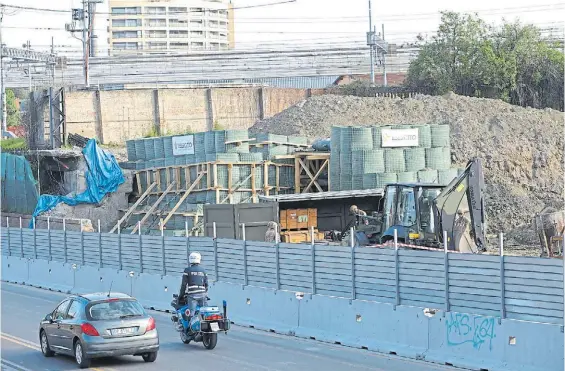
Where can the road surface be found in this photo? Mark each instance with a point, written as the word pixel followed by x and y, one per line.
pixel 242 349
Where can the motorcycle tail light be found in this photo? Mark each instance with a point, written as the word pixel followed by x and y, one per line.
pixel 214 317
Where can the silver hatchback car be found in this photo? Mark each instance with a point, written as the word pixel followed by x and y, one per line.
pixel 99 325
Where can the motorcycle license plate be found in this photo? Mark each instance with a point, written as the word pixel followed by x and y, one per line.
pixel 214 326
pixel 123 331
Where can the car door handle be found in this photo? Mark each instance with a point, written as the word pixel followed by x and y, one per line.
pixel 71 327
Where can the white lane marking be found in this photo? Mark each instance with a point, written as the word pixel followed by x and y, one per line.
pixel 13 366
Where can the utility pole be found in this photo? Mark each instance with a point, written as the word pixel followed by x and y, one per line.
pixel 83 17
pixel 371 43
pixel 2 82
pixel 384 57
pixel 28 47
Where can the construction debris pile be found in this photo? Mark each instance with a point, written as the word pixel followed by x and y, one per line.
pixel 176 175
pixel 368 157
pixel 521 148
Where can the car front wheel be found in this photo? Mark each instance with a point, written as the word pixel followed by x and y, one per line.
pixel 45 349
pixel 80 357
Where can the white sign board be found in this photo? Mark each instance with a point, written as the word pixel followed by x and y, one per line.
pixel 183 145
pixel 400 138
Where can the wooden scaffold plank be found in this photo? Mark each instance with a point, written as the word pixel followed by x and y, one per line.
pixel 152 209
pixel 134 206
pixel 184 196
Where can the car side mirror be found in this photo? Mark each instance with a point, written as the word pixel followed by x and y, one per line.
pixel 49 318
pixel 175 296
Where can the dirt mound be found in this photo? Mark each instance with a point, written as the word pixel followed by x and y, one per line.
pixel 521 148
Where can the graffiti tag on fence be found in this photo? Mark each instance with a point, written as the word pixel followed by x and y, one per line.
pixel 465 329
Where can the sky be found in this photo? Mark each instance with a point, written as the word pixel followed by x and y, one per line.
pixel 296 24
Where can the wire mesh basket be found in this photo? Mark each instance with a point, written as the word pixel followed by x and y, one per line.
pixel 440 136
pixel 438 158
pixel 428 176
pixel 394 160
pixel 415 159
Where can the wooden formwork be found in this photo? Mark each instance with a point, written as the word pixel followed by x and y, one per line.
pixel 178 172
pixel 308 166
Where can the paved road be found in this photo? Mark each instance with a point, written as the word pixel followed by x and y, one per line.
pixel 241 350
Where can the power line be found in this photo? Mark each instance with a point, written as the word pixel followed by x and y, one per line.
pixel 51 10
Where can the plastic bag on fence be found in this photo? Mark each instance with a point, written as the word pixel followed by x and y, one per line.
pixel 102 177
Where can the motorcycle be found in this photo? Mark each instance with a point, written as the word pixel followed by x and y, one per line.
pixel 201 326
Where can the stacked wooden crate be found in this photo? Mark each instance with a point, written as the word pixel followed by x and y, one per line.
pixel 297 225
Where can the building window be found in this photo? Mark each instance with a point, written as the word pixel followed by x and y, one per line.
pixel 214 46
pixel 156 23
pixel 196 23
pixel 128 10
pixel 126 22
pixel 214 35
pixel 178 46
pixel 156 45
pixel 178 23
pixel 223 24
pixel 197 45
pixel 156 10
pixel 213 24
pixel 125 46
pixel 196 34
pixel 196 11
pixel 126 34
pixel 178 34
pixel 158 34
pixel 176 10
pixel 222 12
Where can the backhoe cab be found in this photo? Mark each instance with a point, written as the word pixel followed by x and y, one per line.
pixel 421 213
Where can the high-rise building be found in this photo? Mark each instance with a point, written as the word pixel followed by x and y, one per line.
pixel 170 25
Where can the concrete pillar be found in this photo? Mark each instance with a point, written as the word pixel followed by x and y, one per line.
pixel 98 129
pixel 209 110
pixel 156 112
pixel 261 103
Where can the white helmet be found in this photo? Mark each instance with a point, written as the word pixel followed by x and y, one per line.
pixel 194 258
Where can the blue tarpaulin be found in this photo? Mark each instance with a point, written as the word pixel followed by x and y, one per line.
pixel 18 189
pixel 102 177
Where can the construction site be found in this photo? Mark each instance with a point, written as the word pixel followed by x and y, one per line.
pixel 330 144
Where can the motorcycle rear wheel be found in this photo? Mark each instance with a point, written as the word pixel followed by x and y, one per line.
pixel 184 337
pixel 209 340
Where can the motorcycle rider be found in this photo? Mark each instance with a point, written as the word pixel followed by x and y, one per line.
pixel 194 286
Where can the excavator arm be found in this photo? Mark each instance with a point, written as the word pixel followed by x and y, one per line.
pixel 460 210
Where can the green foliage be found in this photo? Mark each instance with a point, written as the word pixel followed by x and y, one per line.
pixel 217 126
pixel 152 133
pixel 13 143
pixel 512 62
pixel 14 118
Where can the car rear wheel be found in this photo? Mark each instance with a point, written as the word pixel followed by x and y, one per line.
pixel 45 349
pixel 150 357
pixel 80 357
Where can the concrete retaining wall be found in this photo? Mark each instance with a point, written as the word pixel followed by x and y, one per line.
pixel 459 339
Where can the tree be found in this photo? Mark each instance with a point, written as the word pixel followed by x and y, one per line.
pixel 513 63
pixel 13 113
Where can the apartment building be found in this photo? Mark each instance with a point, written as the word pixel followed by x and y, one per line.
pixel 143 26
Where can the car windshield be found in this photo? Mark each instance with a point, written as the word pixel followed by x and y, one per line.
pixel 114 309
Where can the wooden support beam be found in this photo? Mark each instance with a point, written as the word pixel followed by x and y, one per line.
pixel 138 179
pixel 134 206
pixel 237 186
pixel 309 174
pixel 184 196
pixel 138 225
pixel 297 171
pixel 314 180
